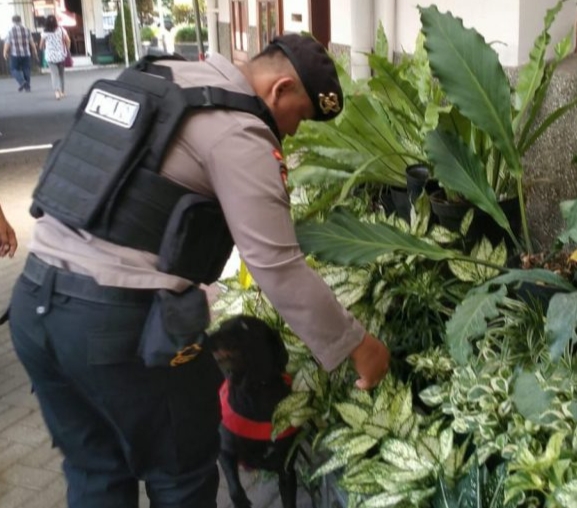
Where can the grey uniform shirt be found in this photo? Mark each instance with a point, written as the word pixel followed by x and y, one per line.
pixel 228 155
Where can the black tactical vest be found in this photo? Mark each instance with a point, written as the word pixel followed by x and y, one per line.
pixel 103 177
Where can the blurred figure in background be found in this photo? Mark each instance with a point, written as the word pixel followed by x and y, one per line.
pixel 56 44
pixel 18 49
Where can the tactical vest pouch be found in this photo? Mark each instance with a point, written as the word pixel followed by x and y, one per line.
pixel 197 242
pixel 174 330
pixel 107 141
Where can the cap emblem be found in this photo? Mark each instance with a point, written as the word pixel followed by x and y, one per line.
pixel 329 103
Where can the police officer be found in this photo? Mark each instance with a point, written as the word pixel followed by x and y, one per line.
pixel 79 308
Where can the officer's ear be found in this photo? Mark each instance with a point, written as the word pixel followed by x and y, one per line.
pixel 282 87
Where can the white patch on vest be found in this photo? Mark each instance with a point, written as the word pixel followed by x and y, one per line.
pixel 112 108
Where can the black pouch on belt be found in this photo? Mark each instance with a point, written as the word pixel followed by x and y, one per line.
pixel 195 245
pixel 174 329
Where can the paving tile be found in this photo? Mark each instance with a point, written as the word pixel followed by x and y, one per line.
pixel 13 496
pixel 10 455
pixel 28 477
pixel 54 494
pixel 44 456
pixel 23 434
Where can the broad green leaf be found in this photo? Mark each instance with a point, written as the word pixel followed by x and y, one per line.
pixel 460 170
pixel 569 213
pixel 353 414
pixel 529 398
pixel 561 322
pixel 471 76
pixel 308 174
pixel 343 239
pixel 566 494
pixel 535 275
pixel 470 488
pixel 394 89
pixel 382 44
pixel 445 497
pixel 404 456
pixel 531 74
pixel 470 321
pixel 385 500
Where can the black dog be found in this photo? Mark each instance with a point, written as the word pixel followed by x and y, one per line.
pixel 253 358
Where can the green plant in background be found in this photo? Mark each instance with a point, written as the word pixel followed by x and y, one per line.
pixel 117 39
pixel 147 33
pixel 481 159
pixel 379 133
pixel 188 34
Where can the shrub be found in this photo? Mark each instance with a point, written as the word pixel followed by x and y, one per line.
pixel 147 33
pixel 188 34
pixel 116 38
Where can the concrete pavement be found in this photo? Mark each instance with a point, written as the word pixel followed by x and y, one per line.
pixel 30 469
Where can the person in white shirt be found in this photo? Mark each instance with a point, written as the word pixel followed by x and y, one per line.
pixel 56 44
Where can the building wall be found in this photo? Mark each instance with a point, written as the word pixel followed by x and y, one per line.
pixel 224 40
pixel 296 15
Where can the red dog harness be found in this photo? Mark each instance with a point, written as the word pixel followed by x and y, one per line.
pixel 244 427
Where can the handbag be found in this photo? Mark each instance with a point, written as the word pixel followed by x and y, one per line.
pixel 68 62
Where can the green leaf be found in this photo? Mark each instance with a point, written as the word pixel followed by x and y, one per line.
pixel 561 322
pixel 345 240
pixel 566 494
pixel 404 456
pixel 469 321
pixel 382 44
pixel 445 497
pixel 471 76
pixel 470 488
pixel 529 398
pixel 460 170
pixel 569 213
pixel 531 74
pixel 535 275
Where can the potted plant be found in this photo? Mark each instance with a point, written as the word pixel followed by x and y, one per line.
pixel 377 136
pixel 476 150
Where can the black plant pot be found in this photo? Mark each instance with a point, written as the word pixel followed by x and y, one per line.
pixel 419 180
pixel 385 199
pixel 536 294
pixel 451 215
pixel 401 202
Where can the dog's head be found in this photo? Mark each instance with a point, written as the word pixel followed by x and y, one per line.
pixel 248 349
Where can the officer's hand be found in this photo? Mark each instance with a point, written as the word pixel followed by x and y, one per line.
pixel 371 360
pixel 8 242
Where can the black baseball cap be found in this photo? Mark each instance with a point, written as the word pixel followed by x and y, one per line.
pixel 317 72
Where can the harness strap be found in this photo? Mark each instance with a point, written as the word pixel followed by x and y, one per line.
pixel 219 98
pixel 245 427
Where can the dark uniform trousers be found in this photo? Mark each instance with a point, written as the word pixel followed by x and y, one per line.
pixel 115 420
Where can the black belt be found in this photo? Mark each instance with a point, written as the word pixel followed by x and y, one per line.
pixel 82 286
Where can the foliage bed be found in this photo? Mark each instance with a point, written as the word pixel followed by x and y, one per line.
pixel 188 34
pixel 479 408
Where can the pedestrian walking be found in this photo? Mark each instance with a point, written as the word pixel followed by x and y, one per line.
pixel 140 204
pixel 8 242
pixel 56 44
pixel 19 47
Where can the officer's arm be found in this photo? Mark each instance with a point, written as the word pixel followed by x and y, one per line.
pixel 247 180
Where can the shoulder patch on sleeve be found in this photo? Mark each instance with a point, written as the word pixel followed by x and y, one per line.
pixel 282 168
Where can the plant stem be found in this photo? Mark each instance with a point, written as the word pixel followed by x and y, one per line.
pixel 528 245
